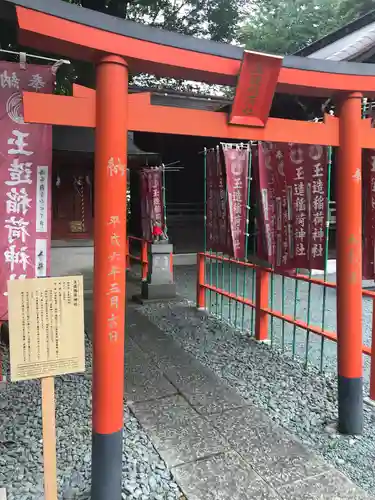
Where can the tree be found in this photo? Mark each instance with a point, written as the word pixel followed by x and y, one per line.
pixel 211 19
pixel 285 26
pixel 214 19
pixel 361 6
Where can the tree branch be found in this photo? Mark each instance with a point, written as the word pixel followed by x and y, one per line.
pixel 98 5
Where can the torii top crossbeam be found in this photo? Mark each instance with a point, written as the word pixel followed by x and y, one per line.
pixel 79 33
pixel 83 34
pixel 115 45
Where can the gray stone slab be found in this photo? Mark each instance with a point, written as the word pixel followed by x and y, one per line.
pixel 222 477
pixel 204 390
pixel 200 386
pixel 330 485
pixel 272 453
pixel 179 434
pixel 141 330
pixel 143 381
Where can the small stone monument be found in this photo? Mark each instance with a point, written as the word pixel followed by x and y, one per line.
pixel 159 285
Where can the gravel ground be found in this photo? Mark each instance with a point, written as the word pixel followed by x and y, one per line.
pixel 145 475
pixel 307 346
pixel 298 398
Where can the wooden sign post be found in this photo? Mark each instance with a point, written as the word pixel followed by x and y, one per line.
pixel 46 339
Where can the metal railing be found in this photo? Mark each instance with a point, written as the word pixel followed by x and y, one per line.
pixel 213 288
pixel 137 251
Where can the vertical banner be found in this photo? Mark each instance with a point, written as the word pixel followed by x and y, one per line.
pixel 218 238
pixel 265 179
pixel 237 168
pixel 152 208
pixel 368 189
pixel 212 201
pixel 145 210
pixel 25 178
pixel 294 207
pixel 225 237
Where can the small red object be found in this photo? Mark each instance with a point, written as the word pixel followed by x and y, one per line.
pixel 157 231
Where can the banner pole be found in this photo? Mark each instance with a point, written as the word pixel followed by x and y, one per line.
pixel 326 250
pixel 247 235
pixel 164 200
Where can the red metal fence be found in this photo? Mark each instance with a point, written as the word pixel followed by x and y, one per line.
pixel 260 302
pixel 137 251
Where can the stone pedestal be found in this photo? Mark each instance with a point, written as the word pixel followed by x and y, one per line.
pixel 159 285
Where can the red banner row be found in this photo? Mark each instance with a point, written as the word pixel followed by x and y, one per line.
pixel 291 189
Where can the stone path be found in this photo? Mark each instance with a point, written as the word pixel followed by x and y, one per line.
pixel 216 444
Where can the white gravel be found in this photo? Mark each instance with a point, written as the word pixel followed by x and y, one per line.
pixel 301 400
pixel 145 475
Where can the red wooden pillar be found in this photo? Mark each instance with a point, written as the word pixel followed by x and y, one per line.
pixel 201 281
pixel 349 266
pixel 144 259
pixel 109 276
pixel 261 302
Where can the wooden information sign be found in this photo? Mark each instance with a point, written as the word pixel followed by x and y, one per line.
pixel 46 325
pixel 46 338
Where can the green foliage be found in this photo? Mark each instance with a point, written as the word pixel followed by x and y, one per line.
pixel 214 19
pixel 361 6
pixel 285 26
pixel 211 19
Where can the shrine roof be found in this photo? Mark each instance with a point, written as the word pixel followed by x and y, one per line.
pixel 82 140
pixel 341 33
pixel 187 100
pixel 80 33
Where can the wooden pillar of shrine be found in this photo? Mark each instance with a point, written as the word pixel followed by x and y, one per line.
pixel 109 277
pixel 349 265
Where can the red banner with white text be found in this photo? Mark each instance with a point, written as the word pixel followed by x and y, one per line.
pixel 218 237
pixel 212 186
pixel 237 166
pixel 368 190
pixel 292 187
pixel 25 178
pixel 152 207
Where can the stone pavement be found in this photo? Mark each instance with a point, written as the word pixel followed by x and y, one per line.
pixel 216 444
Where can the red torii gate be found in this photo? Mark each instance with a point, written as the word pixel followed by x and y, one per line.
pixel 113 45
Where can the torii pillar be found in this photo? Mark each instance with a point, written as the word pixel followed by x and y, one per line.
pixel 349 264
pixel 109 276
